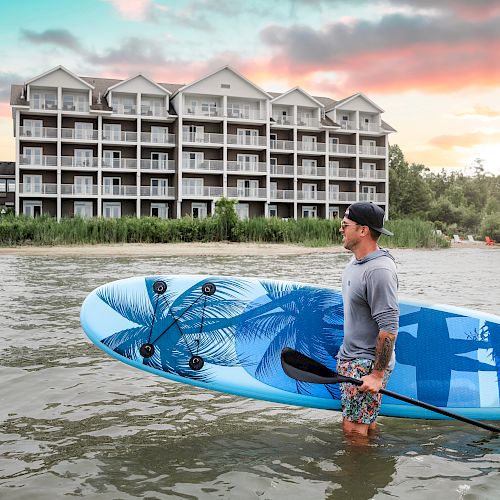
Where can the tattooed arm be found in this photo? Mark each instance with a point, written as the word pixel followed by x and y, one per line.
pixel 383 353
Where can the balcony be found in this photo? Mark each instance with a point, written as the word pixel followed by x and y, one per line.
pixel 342 172
pixel 247 140
pixel 115 136
pixel 80 107
pixel 287 170
pixel 38 132
pixel 342 149
pixel 38 160
pixel 282 120
pixel 196 138
pixel 79 162
pixel 370 127
pixel 158 138
pixel 156 111
pixel 38 189
pixel 306 146
pixel 348 125
pixel 375 197
pixel 202 192
pixel 247 166
pixel 307 122
pixel 79 189
pixel 203 111
pixel 120 163
pixel 308 171
pixel 124 109
pixel 240 192
pixel 214 166
pixel 281 145
pixel 245 114
pixel 282 194
pixel 372 150
pixel 372 174
pixel 342 196
pixel 311 195
pixel 158 165
pixel 79 134
pixel 44 105
pixel 108 190
pixel 158 191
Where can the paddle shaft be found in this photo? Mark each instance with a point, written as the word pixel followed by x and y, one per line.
pixel 427 406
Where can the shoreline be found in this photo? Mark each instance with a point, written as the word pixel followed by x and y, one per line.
pixel 213 249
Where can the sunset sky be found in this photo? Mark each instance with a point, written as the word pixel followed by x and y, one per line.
pixel 433 66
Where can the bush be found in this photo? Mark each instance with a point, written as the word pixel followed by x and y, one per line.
pixel 490 226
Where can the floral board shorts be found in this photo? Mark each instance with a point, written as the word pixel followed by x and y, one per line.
pixel 359 407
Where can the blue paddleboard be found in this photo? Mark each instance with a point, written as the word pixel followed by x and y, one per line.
pixel 227 334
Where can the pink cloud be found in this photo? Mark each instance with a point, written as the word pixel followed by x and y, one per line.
pixel 131 9
pixel 467 140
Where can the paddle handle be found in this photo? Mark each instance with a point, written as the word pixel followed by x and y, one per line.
pixel 427 406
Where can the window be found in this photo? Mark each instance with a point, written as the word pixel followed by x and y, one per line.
pixel 112 132
pixel 209 108
pixel 368 170
pixel 68 102
pixel 248 136
pixel 32 208
pixel 309 212
pixel 274 140
pixel 112 210
pixel 159 135
pixel 192 186
pixel 111 159
pixel 193 159
pixel 334 191
pixel 247 187
pixel 243 210
pixel 368 193
pixel 83 157
pixel 3 185
pixel 11 185
pixel 33 128
pixel 273 186
pixel 273 210
pixel 83 209
pixel 333 212
pixel 84 130
pixel 199 210
pixel 309 143
pixel 333 168
pixel 32 156
pixel 32 184
pixel 309 167
pixel 83 184
pixel 159 187
pixel 159 210
pixel 310 191
pixel 111 185
pixel 193 133
pixel 247 162
pixel 159 161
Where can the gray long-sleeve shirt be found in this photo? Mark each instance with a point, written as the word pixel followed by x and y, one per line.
pixel 369 289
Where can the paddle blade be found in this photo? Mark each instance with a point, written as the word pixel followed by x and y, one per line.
pixel 300 367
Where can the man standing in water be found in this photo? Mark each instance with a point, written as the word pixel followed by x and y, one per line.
pixel 371 315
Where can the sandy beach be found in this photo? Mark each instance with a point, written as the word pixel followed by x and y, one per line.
pixel 167 249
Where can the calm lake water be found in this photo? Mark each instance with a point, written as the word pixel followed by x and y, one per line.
pixel 76 423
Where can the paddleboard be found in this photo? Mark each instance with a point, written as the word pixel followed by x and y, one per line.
pixel 227 333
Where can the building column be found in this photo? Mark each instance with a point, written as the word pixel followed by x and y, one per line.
pixel 59 150
pixel 17 171
pixel 99 166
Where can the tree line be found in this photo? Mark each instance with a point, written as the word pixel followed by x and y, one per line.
pixel 456 203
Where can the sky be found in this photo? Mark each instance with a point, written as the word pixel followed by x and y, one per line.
pixel 433 66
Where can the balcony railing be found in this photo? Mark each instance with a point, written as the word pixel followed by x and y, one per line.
pixel 344 196
pixel 158 191
pixel 203 138
pixel 370 127
pixel 240 192
pixel 372 174
pixel 202 191
pixel 348 125
pixel 342 149
pixel 283 120
pixel 281 145
pixel 38 160
pixel 282 194
pixel 307 122
pixel 81 107
pixel 311 146
pixel 39 132
pixel 125 109
pixel 163 165
pixel 282 169
pixel 80 134
pixel 203 111
pixel 37 188
pixel 372 150
pixel 210 165
pixel 157 138
pixel 115 136
pixel 79 189
pixel 311 195
pixel 248 114
pixel 342 172
pixel 108 190
pixel 79 162
pixel 247 166
pixel 147 110
pixel 45 105
pixel 376 197
pixel 130 163
pixel 247 140
pixel 305 170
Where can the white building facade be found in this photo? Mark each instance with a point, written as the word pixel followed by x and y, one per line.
pixel 100 147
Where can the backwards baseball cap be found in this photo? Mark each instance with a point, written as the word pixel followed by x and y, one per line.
pixel 368 214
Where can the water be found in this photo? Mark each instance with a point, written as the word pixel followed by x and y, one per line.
pixel 77 423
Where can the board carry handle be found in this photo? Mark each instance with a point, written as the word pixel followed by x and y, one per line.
pixel 301 367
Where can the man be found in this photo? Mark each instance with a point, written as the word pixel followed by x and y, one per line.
pixel 371 314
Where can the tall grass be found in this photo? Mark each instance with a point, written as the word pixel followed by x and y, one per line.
pixel 310 232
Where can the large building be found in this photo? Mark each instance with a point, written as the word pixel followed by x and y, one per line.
pixel 101 147
pixel 7 186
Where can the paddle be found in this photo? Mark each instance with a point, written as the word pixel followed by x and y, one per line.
pixel 300 367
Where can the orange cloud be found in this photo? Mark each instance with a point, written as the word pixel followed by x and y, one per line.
pixel 478 110
pixel 448 142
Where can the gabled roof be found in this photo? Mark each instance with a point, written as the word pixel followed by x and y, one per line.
pixel 239 75
pixel 340 103
pixel 121 82
pixel 298 89
pixel 57 68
